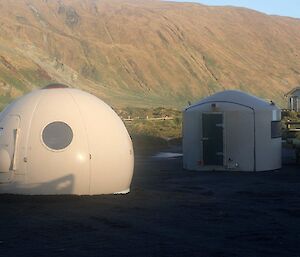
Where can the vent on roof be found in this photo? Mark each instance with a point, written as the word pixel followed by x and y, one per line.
pixel 55 85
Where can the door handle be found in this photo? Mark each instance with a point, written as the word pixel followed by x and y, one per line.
pixel 14 162
pixel 204 139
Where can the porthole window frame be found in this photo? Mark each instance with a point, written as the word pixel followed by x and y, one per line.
pixel 51 149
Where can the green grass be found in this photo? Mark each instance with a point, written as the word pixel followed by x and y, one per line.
pixel 210 62
pixel 147 134
pixel 35 77
pixel 12 79
pixel 213 86
pixel 4 101
pixel 165 129
pixel 153 135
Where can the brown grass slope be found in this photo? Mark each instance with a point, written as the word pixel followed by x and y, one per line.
pixel 145 53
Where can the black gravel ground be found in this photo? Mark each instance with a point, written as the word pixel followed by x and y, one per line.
pixel 169 212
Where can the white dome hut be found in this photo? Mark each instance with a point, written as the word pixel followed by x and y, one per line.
pixel 60 140
pixel 232 130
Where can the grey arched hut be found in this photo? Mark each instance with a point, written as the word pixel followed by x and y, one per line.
pixel 232 130
pixel 61 140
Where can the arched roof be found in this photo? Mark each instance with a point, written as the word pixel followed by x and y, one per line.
pixel 75 142
pixel 292 91
pixel 236 97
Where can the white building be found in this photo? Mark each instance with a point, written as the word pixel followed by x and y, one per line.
pixel 293 97
pixel 232 130
pixel 60 140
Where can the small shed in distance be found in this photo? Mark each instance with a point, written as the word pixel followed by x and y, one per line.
pixel 293 97
pixel 232 130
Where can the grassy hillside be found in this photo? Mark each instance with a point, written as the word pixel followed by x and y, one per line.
pixel 145 53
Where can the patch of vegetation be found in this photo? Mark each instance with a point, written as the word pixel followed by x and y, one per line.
pixel 243 87
pixel 154 134
pixel 166 129
pixel 72 17
pixel 147 144
pixel 4 101
pixel 189 67
pixel 37 77
pixel 289 116
pixel 143 113
pixel 209 61
pixel 22 19
pixel 162 37
pixel 13 80
pixel 91 72
pixel 153 127
pixel 213 86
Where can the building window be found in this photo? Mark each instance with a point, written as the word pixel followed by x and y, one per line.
pixel 294 103
pixel 57 135
pixel 276 129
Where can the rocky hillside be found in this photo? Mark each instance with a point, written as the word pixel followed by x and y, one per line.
pixel 145 53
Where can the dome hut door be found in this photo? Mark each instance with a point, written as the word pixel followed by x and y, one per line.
pixel 212 138
pixel 9 135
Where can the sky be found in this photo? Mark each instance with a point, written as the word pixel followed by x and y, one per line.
pixel 276 7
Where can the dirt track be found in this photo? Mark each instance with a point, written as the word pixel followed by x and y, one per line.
pixel 169 212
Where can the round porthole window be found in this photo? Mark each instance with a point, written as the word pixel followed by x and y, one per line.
pixel 57 135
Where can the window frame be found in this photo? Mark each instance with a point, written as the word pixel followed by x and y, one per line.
pixel 278 134
pixel 48 147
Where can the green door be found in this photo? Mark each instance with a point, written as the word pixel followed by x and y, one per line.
pixel 212 132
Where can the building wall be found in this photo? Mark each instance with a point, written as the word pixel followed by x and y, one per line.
pixel 239 130
pixel 241 151
pixel 293 101
pixel 238 137
pixel 268 149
